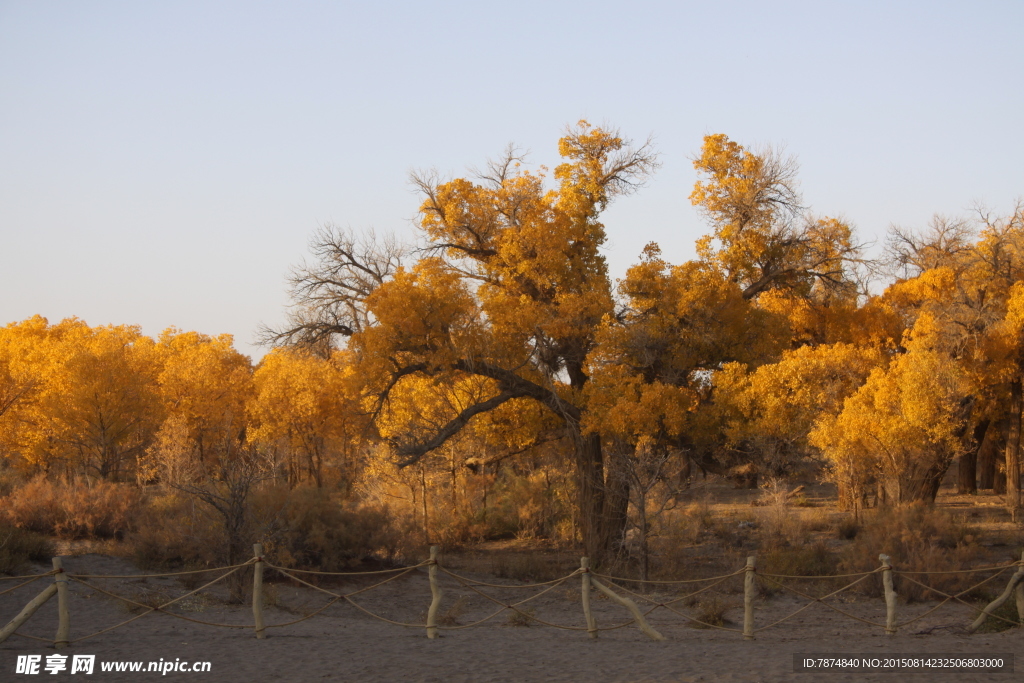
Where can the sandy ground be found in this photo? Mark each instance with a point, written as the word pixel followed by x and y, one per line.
pixel 343 644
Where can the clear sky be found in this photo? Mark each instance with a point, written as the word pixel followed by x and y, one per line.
pixel 164 163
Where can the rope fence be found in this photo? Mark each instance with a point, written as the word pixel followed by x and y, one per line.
pixel 611 587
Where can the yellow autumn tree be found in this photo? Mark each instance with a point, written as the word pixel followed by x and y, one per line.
pixel 770 411
pixel 512 291
pixel 94 408
pixel 204 386
pixel 768 277
pixel 902 428
pixel 309 408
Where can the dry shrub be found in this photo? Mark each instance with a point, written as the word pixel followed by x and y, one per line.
pixel 74 511
pixel 521 617
pixel 711 611
pixel 916 538
pixel 451 616
pixel 818 520
pixel 312 528
pixel 815 559
pixel 798 560
pixel 174 530
pixel 848 528
pixel 776 521
pixel 302 527
pixel 529 566
pixel 521 506
pixel 18 547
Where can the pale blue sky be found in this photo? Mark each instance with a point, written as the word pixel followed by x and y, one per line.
pixel 165 163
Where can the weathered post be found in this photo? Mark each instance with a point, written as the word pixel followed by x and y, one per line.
pixel 27 611
pixel 63 613
pixel 1011 588
pixel 890 596
pixel 435 594
pixel 749 587
pixel 585 596
pixel 257 591
pixel 638 617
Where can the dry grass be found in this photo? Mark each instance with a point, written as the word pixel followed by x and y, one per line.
pixel 917 538
pixel 521 618
pixel 18 547
pixel 711 611
pixel 73 511
pixel 173 531
pixel 451 616
pixel 530 567
pixel 315 529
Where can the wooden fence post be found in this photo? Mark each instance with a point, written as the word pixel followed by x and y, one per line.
pixel 1015 583
pixel 749 587
pixel 890 595
pixel 63 613
pixel 435 594
pixel 638 616
pixel 28 611
pixel 585 596
pixel 257 591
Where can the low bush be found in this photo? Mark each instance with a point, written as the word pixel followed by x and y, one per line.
pixel 73 511
pixel 917 538
pixel 815 559
pixel 18 547
pixel 173 530
pixel 529 566
pixel 521 617
pixel 711 611
pixel 312 528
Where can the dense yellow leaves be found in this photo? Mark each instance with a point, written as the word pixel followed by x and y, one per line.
pixel 206 383
pixel 783 400
pixel 624 406
pixel 900 427
pixel 110 402
pixel 92 403
pixel 309 408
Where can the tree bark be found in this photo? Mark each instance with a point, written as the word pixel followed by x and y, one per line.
pixel 994 442
pixel 616 501
pixel 926 486
pixel 967 480
pixel 590 469
pixel 1013 446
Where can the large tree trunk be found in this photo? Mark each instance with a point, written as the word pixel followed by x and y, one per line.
pixel 967 479
pixel 590 469
pixel 616 502
pixel 999 459
pixel 603 498
pixel 993 444
pixel 1013 447
pixel 924 487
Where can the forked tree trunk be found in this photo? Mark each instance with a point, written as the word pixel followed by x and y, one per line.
pixel 924 487
pixel 967 479
pixel 603 498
